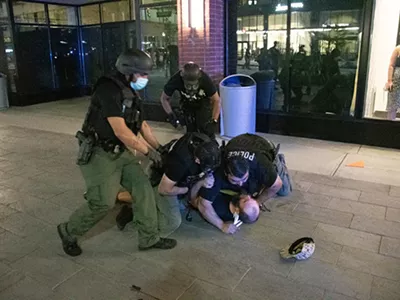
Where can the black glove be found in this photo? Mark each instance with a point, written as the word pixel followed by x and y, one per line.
pixel 173 120
pixel 210 128
pixel 155 157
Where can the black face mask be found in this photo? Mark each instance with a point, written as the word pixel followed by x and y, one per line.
pixel 191 88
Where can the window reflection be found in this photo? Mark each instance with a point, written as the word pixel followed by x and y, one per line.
pixel 65 56
pixel 115 11
pixel 3 12
pixel 156 1
pixel 117 38
pixel 318 75
pixel 7 60
pixel 90 14
pixel 62 15
pixel 26 12
pixel 93 54
pixel 160 39
pixel 34 75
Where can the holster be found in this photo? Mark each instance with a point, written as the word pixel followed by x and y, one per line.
pixel 86 146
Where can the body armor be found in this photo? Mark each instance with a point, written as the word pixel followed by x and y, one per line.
pixel 131 106
pixel 130 111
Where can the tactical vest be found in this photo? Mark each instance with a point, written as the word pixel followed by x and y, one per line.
pixel 130 110
pixel 194 140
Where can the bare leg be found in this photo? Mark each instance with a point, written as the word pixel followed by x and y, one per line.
pixel 391 115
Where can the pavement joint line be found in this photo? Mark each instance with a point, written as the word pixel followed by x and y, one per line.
pixel 380 245
pixel 194 280
pixel 67 278
pixel 339 165
pixel 241 278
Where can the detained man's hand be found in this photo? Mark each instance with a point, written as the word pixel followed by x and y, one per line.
pixel 208 182
pixel 229 228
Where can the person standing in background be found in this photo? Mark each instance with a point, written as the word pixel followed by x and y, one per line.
pixel 393 84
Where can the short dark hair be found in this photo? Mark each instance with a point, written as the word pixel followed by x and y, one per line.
pixel 237 166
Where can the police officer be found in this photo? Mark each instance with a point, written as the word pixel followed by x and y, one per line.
pixel 197 93
pixel 187 160
pixel 252 166
pixel 112 125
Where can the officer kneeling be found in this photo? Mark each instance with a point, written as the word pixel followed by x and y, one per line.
pixel 251 166
pixel 186 161
pixel 112 123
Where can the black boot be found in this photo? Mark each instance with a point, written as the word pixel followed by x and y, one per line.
pixel 124 217
pixel 69 243
pixel 163 244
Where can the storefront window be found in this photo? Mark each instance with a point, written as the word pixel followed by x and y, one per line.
pixel 319 73
pixel 65 56
pixel 3 12
pixel 7 60
pixel 32 44
pixel 62 15
pixel 116 38
pixel 155 1
pixel 160 39
pixel 26 12
pixel 90 14
pixel 379 103
pixel 93 53
pixel 115 11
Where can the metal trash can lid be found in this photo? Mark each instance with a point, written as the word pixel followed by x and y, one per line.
pixel 238 80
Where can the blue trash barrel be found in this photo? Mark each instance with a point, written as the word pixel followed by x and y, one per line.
pixel 238 99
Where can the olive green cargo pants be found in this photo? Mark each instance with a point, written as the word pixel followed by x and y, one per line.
pixel 104 175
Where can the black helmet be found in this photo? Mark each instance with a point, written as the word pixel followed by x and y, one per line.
pixel 207 151
pixel 134 61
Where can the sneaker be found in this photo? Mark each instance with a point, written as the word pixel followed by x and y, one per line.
pixel 163 244
pixel 69 243
pixel 124 217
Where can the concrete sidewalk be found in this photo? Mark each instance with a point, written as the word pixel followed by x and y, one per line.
pixel 307 155
pixel 355 224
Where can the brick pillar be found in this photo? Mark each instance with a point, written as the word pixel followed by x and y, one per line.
pixel 205 45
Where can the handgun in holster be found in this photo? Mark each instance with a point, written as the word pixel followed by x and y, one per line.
pixel 86 145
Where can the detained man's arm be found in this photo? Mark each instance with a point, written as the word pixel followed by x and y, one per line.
pixel 216 104
pixel 148 135
pixel 271 191
pixel 126 136
pixel 194 191
pixel 168 187
pixel 208 212
pixel 166 103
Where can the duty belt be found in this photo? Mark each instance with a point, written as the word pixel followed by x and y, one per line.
pixel 110 146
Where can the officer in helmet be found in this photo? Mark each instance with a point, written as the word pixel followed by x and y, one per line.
pixel 197 93
pixel 187 161
pixel 112 125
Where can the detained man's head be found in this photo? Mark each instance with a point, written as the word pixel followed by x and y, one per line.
pixel 237 170
pixel 247 207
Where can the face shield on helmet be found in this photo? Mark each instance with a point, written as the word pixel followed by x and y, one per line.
pixel 209 156
pixel 207 165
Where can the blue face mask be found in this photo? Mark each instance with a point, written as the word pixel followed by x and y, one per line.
pixel 140 84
